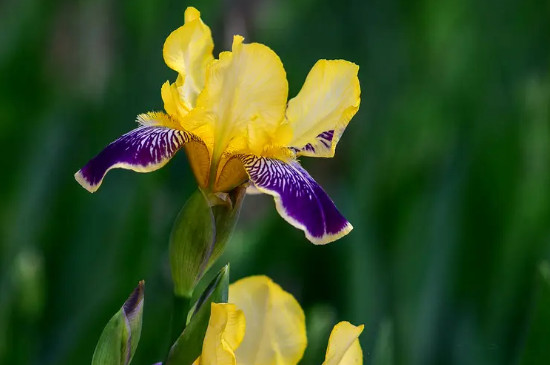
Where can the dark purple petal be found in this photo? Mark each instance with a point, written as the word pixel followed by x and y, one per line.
pixel 143 149
pixel 298 198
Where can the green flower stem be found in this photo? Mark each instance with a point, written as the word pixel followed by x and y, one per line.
pixel 180 309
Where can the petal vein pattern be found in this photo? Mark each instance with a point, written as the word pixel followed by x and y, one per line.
pixel 323 108
pixel 143 149
pixel 298 198
pixel 323 141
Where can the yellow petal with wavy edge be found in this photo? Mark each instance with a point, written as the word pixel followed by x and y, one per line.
pixel 343 345
pixel 244 98
pixel 275 330
pixel 188 50
pixel 173 103
pixel 323 108
pixel 225 333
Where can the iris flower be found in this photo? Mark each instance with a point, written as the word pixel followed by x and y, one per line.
pixel 232 118
pixel 263 324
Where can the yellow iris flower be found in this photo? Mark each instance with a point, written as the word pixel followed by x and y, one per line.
pixel 232 117
pixel 264 325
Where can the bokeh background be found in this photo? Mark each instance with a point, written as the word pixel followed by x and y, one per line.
pixel 444 173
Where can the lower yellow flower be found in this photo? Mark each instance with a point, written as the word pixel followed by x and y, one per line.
pixel 263 324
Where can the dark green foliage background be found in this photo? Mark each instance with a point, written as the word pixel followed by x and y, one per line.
pixel 444 172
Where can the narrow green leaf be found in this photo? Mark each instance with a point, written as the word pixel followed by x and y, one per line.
pixel 188 346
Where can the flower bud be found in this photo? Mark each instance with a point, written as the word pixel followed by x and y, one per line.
pixel 119 339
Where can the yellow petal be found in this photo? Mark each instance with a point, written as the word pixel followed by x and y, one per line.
pixel 199 159
pixel 245 95
pixel 188 50
pixel 230 174
pixel 173 103
pixel 343 345
pixel 225 333
pixel 276 331
pixel 328 100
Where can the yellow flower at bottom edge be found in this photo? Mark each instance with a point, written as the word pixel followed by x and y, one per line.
pixel 232 117
pixel 272 330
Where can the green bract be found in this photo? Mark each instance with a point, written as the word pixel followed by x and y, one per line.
pixel 199 235
pixel 119 339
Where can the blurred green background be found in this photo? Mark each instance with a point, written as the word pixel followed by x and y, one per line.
pixel 444 173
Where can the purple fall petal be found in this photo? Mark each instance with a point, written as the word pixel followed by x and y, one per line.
pixel 298 198
pixel 143 149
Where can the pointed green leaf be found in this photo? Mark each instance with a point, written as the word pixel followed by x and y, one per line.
pixel 188 346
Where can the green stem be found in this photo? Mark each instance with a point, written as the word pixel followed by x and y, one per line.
pixel 179 316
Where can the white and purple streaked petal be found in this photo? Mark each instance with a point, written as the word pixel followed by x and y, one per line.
pixel 298 198
pixel 143 149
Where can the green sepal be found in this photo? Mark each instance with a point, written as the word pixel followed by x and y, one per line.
pixel 120 337
pixel 191 243
pixel 226 216
pixel 199 235
pixel 188 346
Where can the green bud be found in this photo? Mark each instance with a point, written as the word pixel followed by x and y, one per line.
pixel 119 339
pixel 188 346
pixel 200 233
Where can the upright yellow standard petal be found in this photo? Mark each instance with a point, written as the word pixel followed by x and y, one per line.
pixel 343 345
pixel 244 97
pixel 276 331
pixel 188 50
pixel 225 333
pixel 323 108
